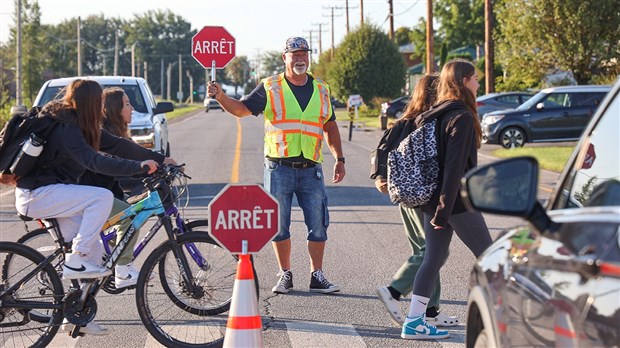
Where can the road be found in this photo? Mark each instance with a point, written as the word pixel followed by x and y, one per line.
pixel 366 246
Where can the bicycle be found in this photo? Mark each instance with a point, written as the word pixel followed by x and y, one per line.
pixel 179 270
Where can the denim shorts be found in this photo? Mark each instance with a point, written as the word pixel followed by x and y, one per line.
pixel 309 189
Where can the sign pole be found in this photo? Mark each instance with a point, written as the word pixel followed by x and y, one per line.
pixel 213 71
pixel 244 247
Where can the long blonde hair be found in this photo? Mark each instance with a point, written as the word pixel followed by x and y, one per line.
pixel 451 87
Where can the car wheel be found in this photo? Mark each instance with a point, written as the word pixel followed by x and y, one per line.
pixel 483 340
pixel 168 149
pixel 512 137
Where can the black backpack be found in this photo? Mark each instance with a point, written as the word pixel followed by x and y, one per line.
pixel 17 131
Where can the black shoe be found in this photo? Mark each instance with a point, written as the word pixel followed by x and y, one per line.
pixel 318 283
pixel 284 284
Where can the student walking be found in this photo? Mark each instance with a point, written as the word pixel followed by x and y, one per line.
pixel 424 96
pixel 445 213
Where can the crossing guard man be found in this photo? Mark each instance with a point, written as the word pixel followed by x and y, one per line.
pixel 298 116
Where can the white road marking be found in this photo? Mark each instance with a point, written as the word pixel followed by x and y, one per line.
pixel 302 333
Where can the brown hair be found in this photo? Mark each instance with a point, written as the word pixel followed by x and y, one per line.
pixel 424 96
pixel 112 106
pixel 450 87
pixel 82 98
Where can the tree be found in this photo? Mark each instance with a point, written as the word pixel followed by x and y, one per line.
pixel 272 63
pixel 238 71
pixel 402 36
pixel 461 22
pixel 417 37
pixel 367 63
pixel 537 36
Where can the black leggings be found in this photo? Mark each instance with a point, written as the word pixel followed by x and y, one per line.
pixel 472 230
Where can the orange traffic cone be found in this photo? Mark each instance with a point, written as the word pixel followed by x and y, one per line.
pixel 244 327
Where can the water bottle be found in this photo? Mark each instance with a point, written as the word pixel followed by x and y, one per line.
pixel 26 160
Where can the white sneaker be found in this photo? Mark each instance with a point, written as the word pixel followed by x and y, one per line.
pixel 442 320
pixel 91 328
pixel 391 304
pixel 125 275
pixel 77 267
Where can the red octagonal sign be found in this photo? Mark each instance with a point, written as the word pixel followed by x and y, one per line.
pixel 213 44
pixel 243 212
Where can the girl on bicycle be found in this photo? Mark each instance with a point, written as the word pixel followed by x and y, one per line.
pixel 52 189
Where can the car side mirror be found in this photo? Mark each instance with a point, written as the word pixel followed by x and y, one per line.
pixel 540 106
pixel 507 187
pixel 163 107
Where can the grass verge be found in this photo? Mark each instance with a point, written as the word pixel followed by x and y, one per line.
pixel 180 110
pixel 551 158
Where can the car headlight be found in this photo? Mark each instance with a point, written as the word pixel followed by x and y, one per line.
pixel 141 131
pixel 490 119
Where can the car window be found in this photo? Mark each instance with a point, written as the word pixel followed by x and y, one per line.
pixel 595 181
pixel 557 100
pixel 135 96
pixel 50 94
pixel 509 99
pixel 587 99
pixel 149 95
pixel 133 93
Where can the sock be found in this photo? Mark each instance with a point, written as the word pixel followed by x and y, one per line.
pixel 395 293
pixel 432 312
pixel 418 306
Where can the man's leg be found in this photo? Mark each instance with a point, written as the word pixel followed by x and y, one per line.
pixel 283 253
pixel 316 251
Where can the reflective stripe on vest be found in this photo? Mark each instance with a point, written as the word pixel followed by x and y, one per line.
pixel 290 132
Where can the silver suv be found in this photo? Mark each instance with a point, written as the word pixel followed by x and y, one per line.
pixel 148 125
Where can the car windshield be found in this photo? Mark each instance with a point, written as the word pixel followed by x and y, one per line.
pixel 133 93
pixel 532 101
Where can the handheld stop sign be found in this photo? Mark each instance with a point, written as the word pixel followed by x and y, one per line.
pixel 213 47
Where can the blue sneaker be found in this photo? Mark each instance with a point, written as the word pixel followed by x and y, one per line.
pixel 418 329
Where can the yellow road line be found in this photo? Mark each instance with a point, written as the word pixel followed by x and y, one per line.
pixel 234 176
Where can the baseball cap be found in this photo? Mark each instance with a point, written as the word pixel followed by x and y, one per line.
pixel 296 44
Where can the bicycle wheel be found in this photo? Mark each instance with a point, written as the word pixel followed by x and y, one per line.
pixel 171 314
pixel 202 226
pixel 35 326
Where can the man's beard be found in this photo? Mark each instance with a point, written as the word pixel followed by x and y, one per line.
pixel 300 70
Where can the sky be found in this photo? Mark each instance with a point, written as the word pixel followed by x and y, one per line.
pixel 257 25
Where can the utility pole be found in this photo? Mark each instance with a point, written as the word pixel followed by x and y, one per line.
pixel 180 96
pixel 146 77
pixel 391 17
pixel 320 37
pixel 169 73
pixel 79 47
pixel 191 87
pixel 161 78
pixel 332 19
pixel 430 49
pixel 116 53
pixel 346 11
pixel 489 60
pixel 133 59
pixel 18 71
pixel 361 13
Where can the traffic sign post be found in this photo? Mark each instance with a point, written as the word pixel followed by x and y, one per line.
pixel 213 47
pixel 243 218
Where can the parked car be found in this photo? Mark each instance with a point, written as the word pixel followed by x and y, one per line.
pixel 148 125
pixel 555 281
pixel 500 101
pixel 553 114
pixel 211 104
pixel 338 104
pixel 394 108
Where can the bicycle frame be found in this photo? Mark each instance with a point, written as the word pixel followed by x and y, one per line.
pixel 111 235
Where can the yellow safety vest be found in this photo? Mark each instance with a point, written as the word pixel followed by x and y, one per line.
pixel 289 132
